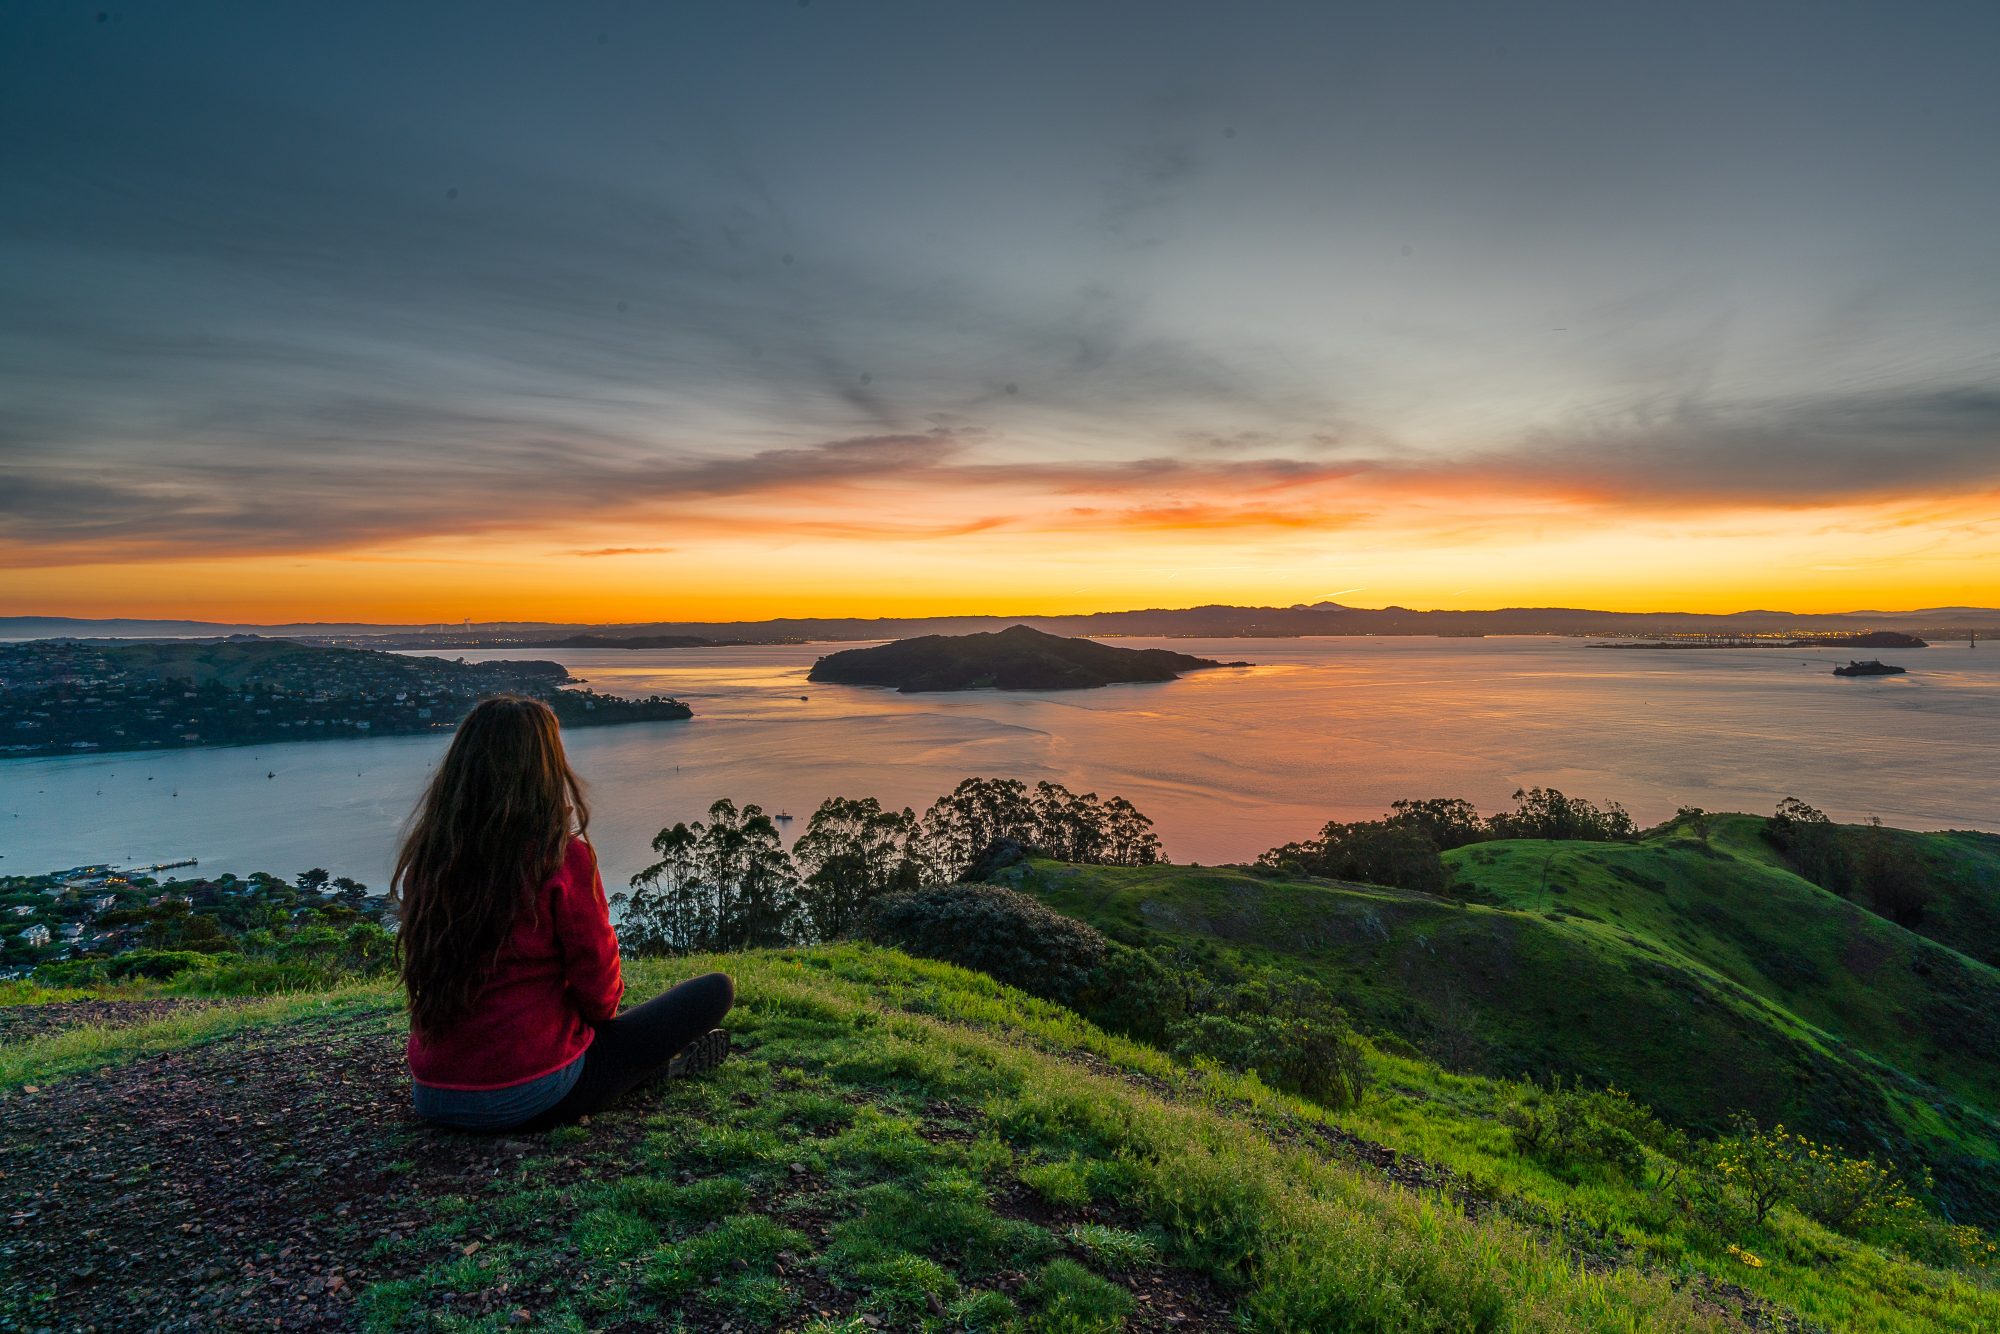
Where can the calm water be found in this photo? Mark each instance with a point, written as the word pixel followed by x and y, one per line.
pixel 1227 763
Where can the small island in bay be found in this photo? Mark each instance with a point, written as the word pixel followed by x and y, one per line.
pixel 1869 668
pixel 1018 658
pixel 62 696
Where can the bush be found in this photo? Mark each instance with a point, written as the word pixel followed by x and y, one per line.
pixel 1767 1168
pixel 153 965
pixel 1946 1245
pixel 997 931
pixel 1374 852
pixel 1571 1127
pixel 1290 1031
pixel 1135 993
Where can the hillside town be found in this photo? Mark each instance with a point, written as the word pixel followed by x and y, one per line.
pixel 65 696
pixel 100 912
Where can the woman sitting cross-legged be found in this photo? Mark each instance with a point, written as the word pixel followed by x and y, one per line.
pixel 506 947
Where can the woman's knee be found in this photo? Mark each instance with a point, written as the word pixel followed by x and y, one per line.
pixel 721 987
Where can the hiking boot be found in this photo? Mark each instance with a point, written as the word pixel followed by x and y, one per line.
pixel 700 1056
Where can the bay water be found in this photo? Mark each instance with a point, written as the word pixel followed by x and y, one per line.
pixel 1227 762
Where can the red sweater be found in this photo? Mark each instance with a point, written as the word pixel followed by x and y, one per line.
pixel 557 975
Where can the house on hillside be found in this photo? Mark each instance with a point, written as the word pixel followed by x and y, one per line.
pixel 36 935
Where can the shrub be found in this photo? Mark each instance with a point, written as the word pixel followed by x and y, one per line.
pixel 1848 1194
pixel 1693 821
pixel 1290 1030
pixel 1375 852
pixel 1767 1168
pixel 1571 1126
pixel 1946 1245
pixel 154 965
pixel 997 931
pixel 1135 993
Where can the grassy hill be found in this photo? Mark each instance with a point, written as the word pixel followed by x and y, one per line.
pixel 1699 977
pixel 896 1145
pixel 1959 871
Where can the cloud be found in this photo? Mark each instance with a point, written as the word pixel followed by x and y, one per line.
pixel 348 485
pixel 262 332
pixel 1799 452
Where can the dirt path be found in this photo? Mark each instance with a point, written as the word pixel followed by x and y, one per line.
pixel 18 1023
pixel 238 1184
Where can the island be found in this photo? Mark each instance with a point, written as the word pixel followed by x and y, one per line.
pixel 65 696
pixel 1018 658
pixel 1869 668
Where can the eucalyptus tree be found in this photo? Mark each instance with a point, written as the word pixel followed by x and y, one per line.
pixel 854 852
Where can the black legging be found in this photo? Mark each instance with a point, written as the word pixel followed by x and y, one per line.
pixel 638 1044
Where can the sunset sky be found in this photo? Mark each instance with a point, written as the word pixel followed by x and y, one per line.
pixel 417 312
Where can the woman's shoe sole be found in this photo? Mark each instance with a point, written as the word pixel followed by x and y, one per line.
pixel 700 1056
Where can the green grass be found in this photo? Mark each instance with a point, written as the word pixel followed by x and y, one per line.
pixel 1701 979
pixel 87 1047
pixel 912 1142
pixel 964 1098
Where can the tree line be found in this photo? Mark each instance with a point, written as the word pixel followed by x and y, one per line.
pixel 1884 865
pixel 1405 848
pixel 728 882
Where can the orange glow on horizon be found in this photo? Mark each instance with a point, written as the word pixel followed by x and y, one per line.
pixel 889 554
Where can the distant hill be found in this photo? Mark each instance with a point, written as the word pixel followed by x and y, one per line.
pixel 1018 658
pixel 1214 621
pixel 60 696
pixel 1700 978
pixel 639 642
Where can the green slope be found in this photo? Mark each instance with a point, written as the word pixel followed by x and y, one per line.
pixel 1960 871
pixel 1699 978
pixel 901 1144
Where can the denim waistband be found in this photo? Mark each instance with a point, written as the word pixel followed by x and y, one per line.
pixel 496 1109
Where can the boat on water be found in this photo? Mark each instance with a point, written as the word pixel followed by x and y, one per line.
pixel 1869 668
pixel 782 817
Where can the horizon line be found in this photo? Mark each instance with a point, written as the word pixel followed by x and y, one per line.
pixel 446 624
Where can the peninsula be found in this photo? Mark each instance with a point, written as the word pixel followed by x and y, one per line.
pixel 640 642
pixel 1018 658
pixel 66 696
pixel 1869 639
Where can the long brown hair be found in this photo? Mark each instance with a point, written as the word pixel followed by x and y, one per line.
pixel 492 828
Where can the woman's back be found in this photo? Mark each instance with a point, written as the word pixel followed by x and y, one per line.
pixel 556 976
